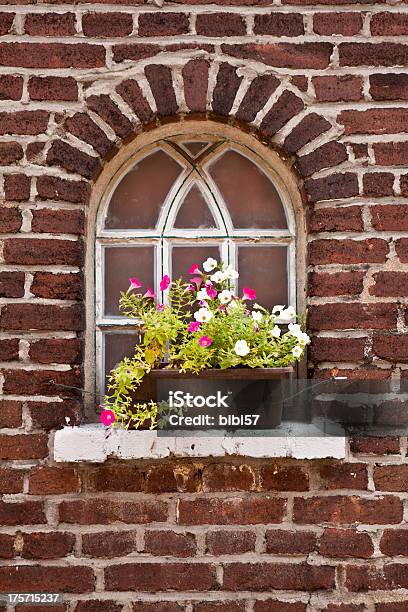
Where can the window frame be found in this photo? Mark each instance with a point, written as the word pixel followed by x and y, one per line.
pixel 269 162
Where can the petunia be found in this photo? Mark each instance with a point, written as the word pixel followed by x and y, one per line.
pixel 241 348
pixel 205 341
pixel 257 316
pixel 135 283
pixel 203 315
pixel 230 273
pixel 160 307
pixel 212 293
pixel 202 294
pixel 107 417
pixel 275 332
pixel 225 296
pixel 194 269
pixel 165 282
pixel 194 326
pixel 210 264
pixel 218 277
pixel 297 351
pixel 287 315
pixel 150 293
pixel 295 330
pixel 197 280
pixel 248 293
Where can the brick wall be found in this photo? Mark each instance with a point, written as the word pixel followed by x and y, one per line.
pixel 326 85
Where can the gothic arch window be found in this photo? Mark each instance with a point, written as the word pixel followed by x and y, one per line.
pixel 189 193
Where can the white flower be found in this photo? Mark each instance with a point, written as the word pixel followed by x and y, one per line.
pixel 230 273
pixel 287 315
pixel 295 330
pixel 277 308
pixel 297 351
pixel 276 332
pixel 232 304
pixel 210 264
pixel 241 348
pixel 218 277
pixel 203 315
pixel 202 295
pixel 257 316
pixel 225 296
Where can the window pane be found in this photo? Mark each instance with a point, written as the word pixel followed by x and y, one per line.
pixel 117 346
pixel 252 199
pixel 194 211
pixel 184 256
pixel 195 147
pixel 122 263
pixel 264 268
pixel 137 200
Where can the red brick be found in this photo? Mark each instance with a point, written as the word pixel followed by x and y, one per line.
pixel 24 122
pixel 109 25
pixel 47 545
pixel 12 284
pixel 391 477
pixel 276 477
pixel 404 185
pixel 347 509
pixel 220 24
pixel 50 24
pixel 279 24
pixel 301 82
pixel 101 605
pixel 56 351
pixel 51 55
pixel 287 106
pixel 389 217
pixel 391 153
pixel 23 446
pixel 11 87
pixel 41 316
pixel 378 184
pixel 231 511
pixel 308 129
pixel 40 382
pixel 343 543
pixel 162 606
pixel 322 284
pixel 342 219
pixel 54 415
pixel 115 544
pixel 78 579
pixel 195 77
pixel 10 221
pixel 6 21
pixel 53 481
pixel 10 153
pixel 272 605
pixel 107 109
pixel 285 542
pixel 365 578
pixel 389 86
pixel 133 96
pixel 256 96
pixel 282 576
pixel 54 221
pixel 375 446
pixel 57 286
pixel 23 513
pixel 169 478
pixel 373 54
pixel 10 413
pixel 335 475
pixel 170 543
pixel 230 542
pixel 17 187
pixel 217 606
pixel 226 88
pixel 53 88
pixel 375 121
pixel 345 608
pixel 394 542
pixel 133 52
pixel 346 24
pixel 337 349
pixel 6 549
pixel 394 606
pixel 161 84
pixel 225 477
pixel 116 478
pixel 53 188
pixel 34 251
pixel 172 576
pixel 284 55
pixel 9 349
pixel 162 24
pixel 332 187
pixel 353 316
pixel 372 250
pixel 81 126
pixel 328 155
pixel 390 284
pixel 402 249
pixel 389 24
pixel 360 151
pixel 106 511
pixel 73 160
pixel 11 481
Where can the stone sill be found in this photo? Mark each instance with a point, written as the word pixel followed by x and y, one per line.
pixel 94 443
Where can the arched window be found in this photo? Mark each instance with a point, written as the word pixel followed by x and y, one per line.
pixel 182 197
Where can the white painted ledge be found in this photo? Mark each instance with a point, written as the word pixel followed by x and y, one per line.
pixel 95 443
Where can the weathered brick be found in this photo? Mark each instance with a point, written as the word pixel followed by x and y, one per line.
pixel 225 477
pixel 56 351
pixel 9 349
pixel 116 478
pixel 135 52
pixel 109 25
pixel 375 446
pixel 332 187
pixel 279 24
pixel 50 24
pixel 41 316
pixel 285 542
pixel 6 21
pixel 32 251
pixel 404 185
pixel 12 284
pixel 401 248
pixel 282 576
pixel 346 24
pixel 392 606
pixel 81 126
pixel 389 24
pixel 195 77
pixel 347 88
pixel 133 96
pixel 273 605
pixel 342 219
pixel 389 86
pixel 394 542
pixel 308 129
pixel 328 155
pixel 22 513
pixel 169 478
pixel 51 55
pixel 6 549
pixel 17 187
pixel 54 415
pixel 161 84
pixel 53 88
pixel 104 106
pixel 170 543
pixel 347 509
pixel 10 221
pixel 335 475
pixel 215 606
pixel 324 284
pixel 10 153
pixel 373 54
pixel 163 24
pixel 47 545
pixel 220 24
pixel 64 155
pixel 343 543
pixel 47 480
pixel 391 153
pixel 287 106
pixel 365 578
pixel 337 349
pixel 96 605
pixel 174 576
pixel 11 481
pixel 230 542
pixel 360 150
pixel 10 413
pixel 23 446
pixel 389 217
pixel 57 286
pixel 375 121
pixel 41 382
pixel 78 579
pixel 391 477
pixel 115 544
pixel 231 511
pixel 158 606
pixel 53 188
pixel 284 55
pixel 353 316
pixel 256 96
pixel 11 87
pixel 55 221
pixel 225 89
pixel 372 250
pixel 282 477
pixel 390 284
pixel 106 511
pixel 378 184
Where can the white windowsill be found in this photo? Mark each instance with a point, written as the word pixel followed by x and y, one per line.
pixel 94 443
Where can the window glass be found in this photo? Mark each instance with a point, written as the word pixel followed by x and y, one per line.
pixel 264 268
pixel 194 148
pixel 184 256
pixel 117 346
pixel 194 211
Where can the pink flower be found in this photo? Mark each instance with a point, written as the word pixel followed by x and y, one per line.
pixel 165 282
pixel 197 280
pixel 248 293
pixel 160 307
pixel 150 293
pixel 135 283
pixel 205 341
pixel 107 417
pixel 211 292
pixel 194 269
pixel 194 326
